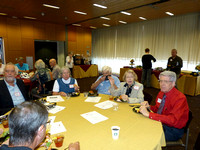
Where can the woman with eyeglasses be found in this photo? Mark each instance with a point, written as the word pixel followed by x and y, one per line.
pixel 130 90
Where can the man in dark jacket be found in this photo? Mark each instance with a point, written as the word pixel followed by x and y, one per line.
pixel 12 90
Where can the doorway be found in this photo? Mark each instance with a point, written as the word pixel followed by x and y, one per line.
pixel 45 50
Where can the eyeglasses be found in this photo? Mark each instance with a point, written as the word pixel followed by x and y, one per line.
pixel 164 81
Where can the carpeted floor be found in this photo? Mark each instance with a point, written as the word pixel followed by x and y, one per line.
pixel 193 102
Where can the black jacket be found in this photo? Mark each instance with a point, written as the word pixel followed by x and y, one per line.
pixel 6 102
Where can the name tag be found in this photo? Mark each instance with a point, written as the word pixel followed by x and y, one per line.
pixel 17 94
pixel 71 86
pixel 159 100
pixel 136 87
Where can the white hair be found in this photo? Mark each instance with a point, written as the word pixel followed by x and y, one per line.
pixel 170 74
pixel 39 64
pixel 16 68
pixel 65 68
pixel 107 69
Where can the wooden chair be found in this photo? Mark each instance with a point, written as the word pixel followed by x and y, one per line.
pixel 186 131
pixel 147 97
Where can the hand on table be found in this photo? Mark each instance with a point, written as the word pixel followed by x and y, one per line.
pixel 76 87
pixel 145 103
pixel 144 111
pixel 124 97
pixel 74 146
pixel 62 93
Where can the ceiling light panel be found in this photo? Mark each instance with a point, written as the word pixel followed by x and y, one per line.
pixel 100 6
pixel 125 13
pixel 142 18
pixel 3 14
pixel 169 13
pixel 51 6
pixel 29 17
pixel 76 25
pixel 107 25
pixel 105 18
pixel 79 12
pixel 123 22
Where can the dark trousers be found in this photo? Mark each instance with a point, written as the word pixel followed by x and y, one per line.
pixel 172 134
pixel 146 76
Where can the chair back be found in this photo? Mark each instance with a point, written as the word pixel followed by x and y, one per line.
pixel 188 122
pixel 147 97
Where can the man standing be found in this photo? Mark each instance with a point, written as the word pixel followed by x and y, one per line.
pixel 104 81
pixel 27 127
pixel 146 67
pixel 171 107
pixel 70 62
pixel 175 63
pixel 23 67
pixel 55 67
pixel 12 90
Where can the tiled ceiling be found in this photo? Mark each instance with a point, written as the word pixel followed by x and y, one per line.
pixel 149 9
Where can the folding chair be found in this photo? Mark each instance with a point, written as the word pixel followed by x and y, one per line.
pixel 186 130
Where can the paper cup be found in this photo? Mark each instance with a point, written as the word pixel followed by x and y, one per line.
pixel 115 132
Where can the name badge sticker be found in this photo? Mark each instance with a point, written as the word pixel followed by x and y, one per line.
pixel 159 100
pixel 71 86
pixel 136 87
pixel 17 94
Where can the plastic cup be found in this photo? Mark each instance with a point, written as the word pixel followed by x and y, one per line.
pixel 115 106
pixel 68 95
pixel 59 140
pixel 115 132
pixel 5 123
pixel 85 94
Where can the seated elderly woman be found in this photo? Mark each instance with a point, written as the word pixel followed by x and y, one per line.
pixel 131 90
pixel 66 84
pixel 42 75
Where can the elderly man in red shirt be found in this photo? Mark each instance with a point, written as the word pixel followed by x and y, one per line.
pixel 171 107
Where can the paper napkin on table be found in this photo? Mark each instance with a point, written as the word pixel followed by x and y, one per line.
pixel 94 117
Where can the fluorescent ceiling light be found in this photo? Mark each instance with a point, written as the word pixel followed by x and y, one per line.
pixel 79 12
pixel 105 18
pixel 142 18
pixel 3 14
pixel 123 22
pixel 51 6
pixel 93 27
pixel 125 13
pixel 76 25
pixel 101 6
pixel 107 25
pixel 169 13
pixel 29 17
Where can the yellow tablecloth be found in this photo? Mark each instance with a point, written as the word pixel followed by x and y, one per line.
pixel 137 131
pixel 78 72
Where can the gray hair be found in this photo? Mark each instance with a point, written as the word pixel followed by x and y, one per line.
pixel 39 64
pixel 25 120
pixel 11 64
pixel 107 69
pixel 65 68
pixel 170 74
